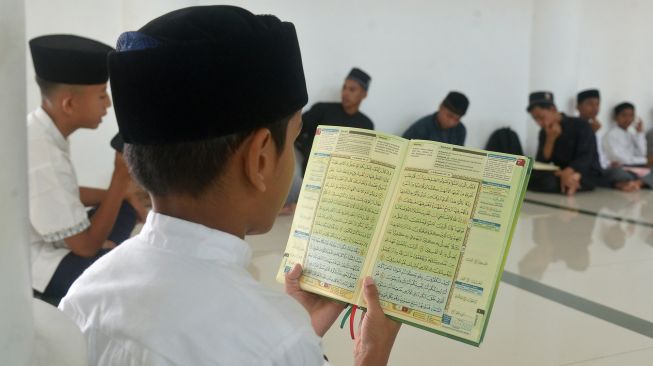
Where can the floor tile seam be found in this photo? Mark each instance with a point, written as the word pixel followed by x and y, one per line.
pixel 583 305
pixel 605 356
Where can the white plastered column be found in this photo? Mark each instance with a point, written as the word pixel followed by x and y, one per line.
pixel 16 324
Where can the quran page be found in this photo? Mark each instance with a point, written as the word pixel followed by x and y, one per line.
pixel 446 236
pixel 345 192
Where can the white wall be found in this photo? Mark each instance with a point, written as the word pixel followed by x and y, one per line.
pixel 416 51
pixel 616 54
pixel 495 51
pixel 16 334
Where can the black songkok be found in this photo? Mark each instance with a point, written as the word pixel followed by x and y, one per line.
pixel 69 59
pixel 117 143
pixel 621 106
pixel 456 102
pixel 585 94
pixel 543 98
pixel 204 72
pixel 360 77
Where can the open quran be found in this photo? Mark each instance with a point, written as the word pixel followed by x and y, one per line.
pixel 430 222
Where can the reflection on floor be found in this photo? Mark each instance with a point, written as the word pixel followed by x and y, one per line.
pixel 579 289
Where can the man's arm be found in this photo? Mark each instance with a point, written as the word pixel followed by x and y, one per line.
pixel 640 144
pixel 412 132
pixel 584 150
pixel 463 134
pixel 540 147
pixel 551 134
pixel 310 121
pixel 91 197
pixel 88 242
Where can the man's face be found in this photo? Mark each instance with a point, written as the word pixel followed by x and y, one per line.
pixel 90 104
pixel 544 117
pixel 589 108
pixel 352 94
pixel 447 118
pixel 625 118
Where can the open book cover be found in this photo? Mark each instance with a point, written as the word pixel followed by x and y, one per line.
pixel 430 222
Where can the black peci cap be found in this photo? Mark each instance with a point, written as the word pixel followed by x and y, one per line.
pixel 544 98
pixel 360 77
pixel 205 72
pixel 70 59
pixel 585 94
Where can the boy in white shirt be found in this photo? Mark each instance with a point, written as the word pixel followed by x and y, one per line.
pixel 72 75
pixel 624 147
pixel 208 101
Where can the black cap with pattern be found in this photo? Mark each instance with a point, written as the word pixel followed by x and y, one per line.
pixel 543 98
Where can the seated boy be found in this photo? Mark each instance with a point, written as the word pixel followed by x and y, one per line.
pixel 208 102
pixel 625 148
pixel 613 176
pixel 567 142
pixel 72 75
pixel 444 125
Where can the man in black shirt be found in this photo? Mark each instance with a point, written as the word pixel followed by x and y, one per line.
pixel 569 143
pixel 346 113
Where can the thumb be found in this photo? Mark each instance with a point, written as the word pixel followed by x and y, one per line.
pixel 371 295
pixel 292 278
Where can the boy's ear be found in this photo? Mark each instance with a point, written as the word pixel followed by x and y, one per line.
pixel 66 102
pixel 260 157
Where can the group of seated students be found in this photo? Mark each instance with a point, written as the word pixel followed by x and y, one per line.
pixel 584 160
pixel 571 144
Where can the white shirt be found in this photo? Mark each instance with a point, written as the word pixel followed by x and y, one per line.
pixel 179 293
pixel 55 209
pixel 625 147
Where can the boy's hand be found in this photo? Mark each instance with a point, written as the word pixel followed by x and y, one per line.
pixel 569 180
pixel 323 312
pixel 595 124
pixel 120 170
pixel 377 331
pixel 639 126
pixel 553 131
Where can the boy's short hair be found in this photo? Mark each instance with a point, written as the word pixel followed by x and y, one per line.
pixel 622 106
pixel 46 87
pixel 190 168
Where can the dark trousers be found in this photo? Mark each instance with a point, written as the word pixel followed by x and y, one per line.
pixel 72 265
pixel 547 182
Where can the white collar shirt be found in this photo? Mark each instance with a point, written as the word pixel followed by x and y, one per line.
pixel 179 293
pixel 55 209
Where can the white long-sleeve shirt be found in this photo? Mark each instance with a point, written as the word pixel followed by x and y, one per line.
pixel 179 293
pixel 625 147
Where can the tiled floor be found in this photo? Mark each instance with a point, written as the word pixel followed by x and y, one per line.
pixel 590 301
